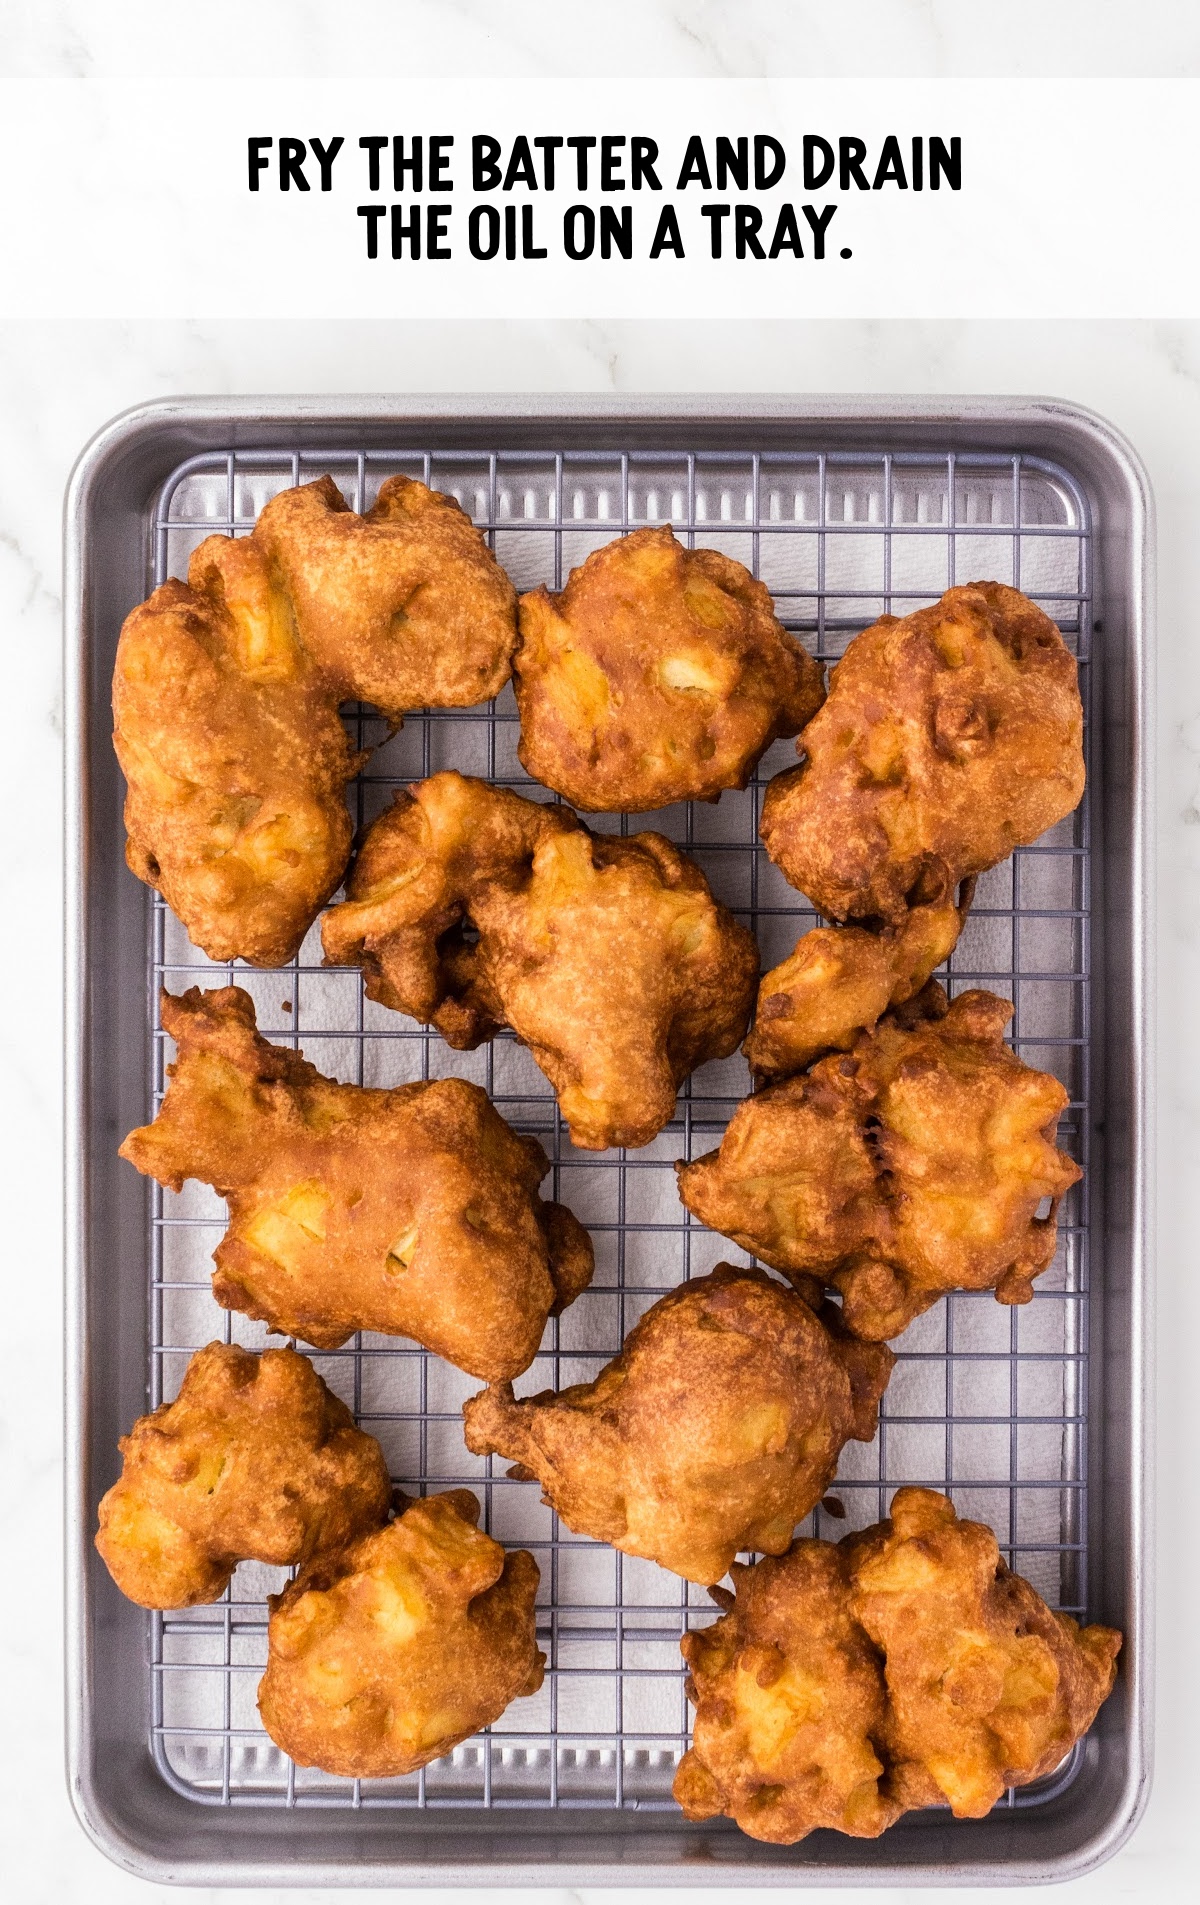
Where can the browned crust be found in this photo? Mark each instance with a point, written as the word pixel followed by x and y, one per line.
pixel 659 674
pixel 905 1667
pixel 948 738
pixel 413 1211
pixel 226 693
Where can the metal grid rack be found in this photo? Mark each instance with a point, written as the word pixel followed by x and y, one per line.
pixel 985 1401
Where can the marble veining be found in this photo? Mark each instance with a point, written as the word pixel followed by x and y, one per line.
pixel 709 39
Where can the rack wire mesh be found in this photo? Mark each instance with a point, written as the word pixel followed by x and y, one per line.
pixel 986 1402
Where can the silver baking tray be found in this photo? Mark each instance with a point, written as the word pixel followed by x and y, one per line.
pixel 1035 1419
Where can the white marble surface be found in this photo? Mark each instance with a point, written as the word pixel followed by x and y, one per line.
pixel 57 384
pixel 672 38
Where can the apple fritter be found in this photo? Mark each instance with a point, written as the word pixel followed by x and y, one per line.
pixel 659 674
pixel 987 1688
pixel 404 606
pixel 791 1706
pixel 915 1165
pixel 413 1211
pixel 471 908
pixel 949 738
pixel 905 1667
pixel 386 1655
pixel 716 1429
pixel 840 981
pixel 236 763
pixel 226 693
pixel 255 1460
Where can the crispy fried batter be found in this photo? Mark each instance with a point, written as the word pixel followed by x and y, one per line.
pixel 414 1211
pixel 405 606
pixel 903 1668
pixel 949 738
pixel 791 1707
pixel 255 1460
pixel 716 1429
pixel 226 694
pixel 608 957
pixel 916 1165
pixel 236 763
pixel 841 980
pixel 388 1655
pixel 986 1687
pixel 659 674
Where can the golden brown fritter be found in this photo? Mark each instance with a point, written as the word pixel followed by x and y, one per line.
pixel 949 738
pixel 226 693
pixel 840 981
pixel 609 958
pixel 791 1705
pixel 255 1460
pixel 236 764
pixel 385 1656
pixel 659 674
pixel 986 1687
pixel 405 606
pixel 716 1429
pixel 414 1211
pixel 906 1667
pixel 913 1166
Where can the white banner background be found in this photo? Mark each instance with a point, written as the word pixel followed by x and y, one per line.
pixel 126 198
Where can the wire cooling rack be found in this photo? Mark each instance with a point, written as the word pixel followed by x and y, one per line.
pixel 986 1402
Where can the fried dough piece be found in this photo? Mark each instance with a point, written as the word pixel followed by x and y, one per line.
pixel 791 1706
pixel 255 1460
pixel 840 981
pixel 609 958
pixel 986 1687
pixel 385 1656
pixel 226 693
pixel 659 674
pixel 949 738
pixel 414 1211
pixel 716 1429
pixel 914 1166
pixel 236 764
pixel 905 1667
pixel 405 606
